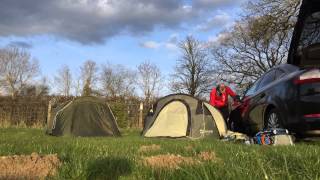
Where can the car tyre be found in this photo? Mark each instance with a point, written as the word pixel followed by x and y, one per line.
pixel 273 119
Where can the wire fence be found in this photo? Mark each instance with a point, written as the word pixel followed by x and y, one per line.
pixel 33 111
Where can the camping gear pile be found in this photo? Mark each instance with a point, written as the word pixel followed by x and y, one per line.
pixel 273 137
pixel 268 137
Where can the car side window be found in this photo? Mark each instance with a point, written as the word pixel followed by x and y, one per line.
pixel 253 88
pixel 279 73
pixel 267 79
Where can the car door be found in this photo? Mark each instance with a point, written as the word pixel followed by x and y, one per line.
pixel 258 101
pixel 247 104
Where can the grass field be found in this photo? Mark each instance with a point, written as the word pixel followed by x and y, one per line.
pixel 120 158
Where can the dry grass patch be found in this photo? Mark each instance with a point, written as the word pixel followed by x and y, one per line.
pixel 153 147
pixel 169 161
pixel 31 166
pixel 172 162
pixel 207 156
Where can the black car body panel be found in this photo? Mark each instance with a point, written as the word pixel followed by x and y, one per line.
pixel 292 100
pixel 292 89
pixel 279 94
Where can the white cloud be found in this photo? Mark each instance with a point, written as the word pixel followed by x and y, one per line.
pixel 218 38
pixel 94 21
pixel 188 8
pixel 150 45
pixel 210 4
pixel 218 21
pixel 170 43
pixel 171 46
pixel 173 38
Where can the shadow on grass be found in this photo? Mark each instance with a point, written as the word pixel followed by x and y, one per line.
pixel 309 140
pixel 109 168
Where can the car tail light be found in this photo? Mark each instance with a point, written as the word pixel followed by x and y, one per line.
pixel 312 116
pixel 308 77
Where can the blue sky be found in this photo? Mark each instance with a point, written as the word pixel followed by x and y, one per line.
pixel 124 32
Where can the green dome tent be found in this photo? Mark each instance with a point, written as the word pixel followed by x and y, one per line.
pixel 83 116
pixel 181 115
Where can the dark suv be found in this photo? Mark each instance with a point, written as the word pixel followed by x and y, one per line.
pixel 288 96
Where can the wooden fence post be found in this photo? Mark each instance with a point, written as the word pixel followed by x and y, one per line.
pixel 141 115
pixel 51 102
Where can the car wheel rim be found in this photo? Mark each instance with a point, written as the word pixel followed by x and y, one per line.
pixel 273 121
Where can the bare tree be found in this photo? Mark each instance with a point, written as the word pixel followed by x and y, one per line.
pixel 149 80
pixel 284 12
pixel 117 80
pixel 257 43
pixel 36 89
pixel 87 91
pixel 193 72
pixel 89 71
pixel 63 81
pixel 77 87
pixel 17 69
pixel 43 86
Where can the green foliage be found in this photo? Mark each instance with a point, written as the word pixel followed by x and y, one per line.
pixel 119 110
pixel 119 158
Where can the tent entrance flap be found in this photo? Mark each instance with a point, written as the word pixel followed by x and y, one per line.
pixel 172 121
pixel 219 120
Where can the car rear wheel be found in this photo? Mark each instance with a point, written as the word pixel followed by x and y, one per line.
pixel 273 119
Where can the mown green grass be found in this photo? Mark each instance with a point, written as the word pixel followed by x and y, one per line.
pixel 119 158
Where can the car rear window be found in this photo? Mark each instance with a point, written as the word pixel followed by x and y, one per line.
pixel 311 31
